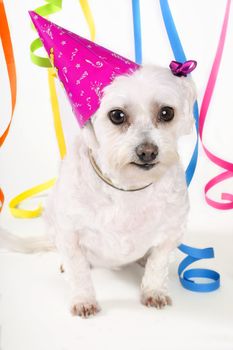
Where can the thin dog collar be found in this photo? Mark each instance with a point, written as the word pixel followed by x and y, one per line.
pixel 107 180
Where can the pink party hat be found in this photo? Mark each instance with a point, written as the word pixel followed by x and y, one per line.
pixel 83 67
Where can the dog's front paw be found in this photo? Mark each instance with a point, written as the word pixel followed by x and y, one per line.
pixel 84 309
pixel 158 300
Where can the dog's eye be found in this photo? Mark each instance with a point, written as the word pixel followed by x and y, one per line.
pixel 166 114
pixel 117 116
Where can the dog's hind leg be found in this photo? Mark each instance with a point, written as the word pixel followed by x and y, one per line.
pixel 77 268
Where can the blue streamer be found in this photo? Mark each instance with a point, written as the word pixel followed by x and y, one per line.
pixel 193 254
pixel 137 31
pixel 180 57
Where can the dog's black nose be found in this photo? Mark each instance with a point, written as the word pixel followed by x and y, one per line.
pixel 147 152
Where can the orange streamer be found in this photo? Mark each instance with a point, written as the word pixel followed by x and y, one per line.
pixel 10 63
pixel 1 200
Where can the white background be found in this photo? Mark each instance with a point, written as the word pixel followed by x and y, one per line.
pixel 30 156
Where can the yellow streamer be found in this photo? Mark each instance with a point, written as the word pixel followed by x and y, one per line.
pixel 14 203
pixel 51 7
pixel 56 114
pixel 23 213
pixel 89 18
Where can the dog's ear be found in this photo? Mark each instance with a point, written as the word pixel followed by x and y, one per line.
pixel 90 136
pixel 189 98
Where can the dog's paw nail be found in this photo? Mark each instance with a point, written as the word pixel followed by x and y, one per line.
pixel 85 309
pixel 159 301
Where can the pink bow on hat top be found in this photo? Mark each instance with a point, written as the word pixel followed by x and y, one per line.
pixel 83 67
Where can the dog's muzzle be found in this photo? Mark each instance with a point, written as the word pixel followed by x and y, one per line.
pixel 146 154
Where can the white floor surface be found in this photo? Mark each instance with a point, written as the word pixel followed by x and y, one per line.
pixel 34 311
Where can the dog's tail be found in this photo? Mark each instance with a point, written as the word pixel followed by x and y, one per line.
pixel 29 245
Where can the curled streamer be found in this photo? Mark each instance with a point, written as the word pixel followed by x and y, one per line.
pixel 193 254
pixel 11 70
pixel 227 166
pixel 52 6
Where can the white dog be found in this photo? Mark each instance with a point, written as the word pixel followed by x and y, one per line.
pixel 121 194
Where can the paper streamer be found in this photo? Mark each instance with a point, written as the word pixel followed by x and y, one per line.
pixel 28 214
pixel 180 57
pixel 56 114
pixel 89 18
pixel 194 254
pixel 51 7
pixel 45 10
pixel 11 70
pixel 2 199
pixel 137 31
pixel 227 166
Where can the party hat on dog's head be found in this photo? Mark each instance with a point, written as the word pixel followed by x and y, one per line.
pixel 83 67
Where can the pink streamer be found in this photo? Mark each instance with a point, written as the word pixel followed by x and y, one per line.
pixel 203 112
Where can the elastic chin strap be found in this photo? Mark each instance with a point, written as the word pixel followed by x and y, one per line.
pixel 107 180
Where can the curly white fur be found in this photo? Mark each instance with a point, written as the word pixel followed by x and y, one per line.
pixel 92 223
